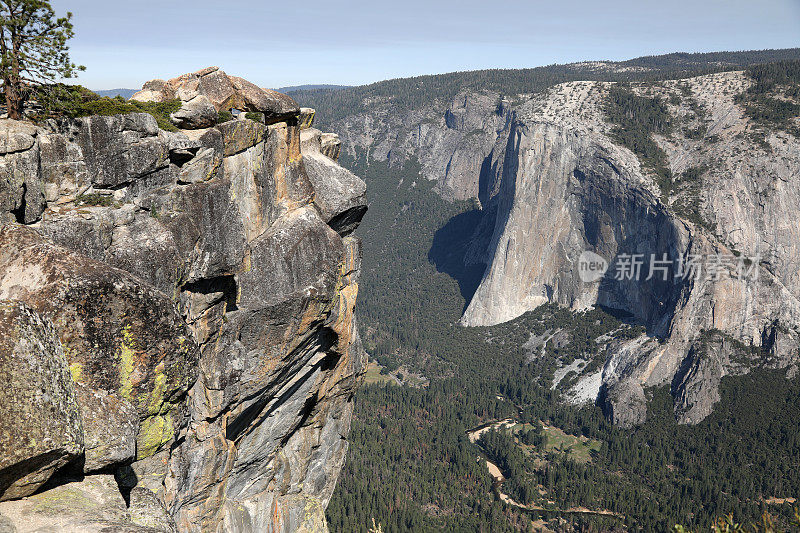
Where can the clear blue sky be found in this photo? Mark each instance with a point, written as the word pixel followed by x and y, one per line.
pixel 291 42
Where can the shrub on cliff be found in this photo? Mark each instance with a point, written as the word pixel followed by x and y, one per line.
pixel 60 100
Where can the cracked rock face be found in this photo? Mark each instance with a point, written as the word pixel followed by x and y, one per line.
pixel 192 296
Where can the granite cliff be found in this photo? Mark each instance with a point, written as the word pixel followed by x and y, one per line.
pixel 177 315
pixel 560 184
pixel 553 180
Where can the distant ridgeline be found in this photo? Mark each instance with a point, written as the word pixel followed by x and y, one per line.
pixel 124 93
pixel 407 93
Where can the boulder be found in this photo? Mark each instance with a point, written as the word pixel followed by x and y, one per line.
pixel 339 194
pixel 276 106
pixel 154 91
pixel 217 87
pixel 120 335
pixel 147 511
pixel 40 423
pixel 203 167
pixel 195 114
pixel 223 92
pixel 310 140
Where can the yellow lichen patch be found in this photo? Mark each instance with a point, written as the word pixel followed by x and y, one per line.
pixel 314 517
pixel 155 400
pixel 127 352
pixel 76 370
pixel 155 432
pixel 213 169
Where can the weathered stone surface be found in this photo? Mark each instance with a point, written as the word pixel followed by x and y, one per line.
pixel 216 86
pixel 119 149
pixel 299 254
pixel 63 168
pixel 201 168
pixel 21 188
pixel 306 119
pixel 110 425
pixel 40 423
pixel 285 158
pixel 119 334
pixel 154 91
pixel 148 511
pixel 93 505
pixel 310 140
pixel 300 272
pixel 239 135
pixel 330 145
pixel 147 249
pixel 195 114
pixel 223 92
pixel 275 106
pixel 13 140
pixel 6 525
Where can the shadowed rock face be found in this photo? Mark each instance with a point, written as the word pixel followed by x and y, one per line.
pixel 198 288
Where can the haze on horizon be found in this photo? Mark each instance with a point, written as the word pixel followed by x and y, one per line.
pixel 355 42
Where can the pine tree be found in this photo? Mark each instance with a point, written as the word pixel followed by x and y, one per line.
pixel 33 49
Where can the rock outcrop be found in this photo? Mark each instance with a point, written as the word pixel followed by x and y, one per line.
pixel 183 304
pixel 559 186
pixel 206 92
